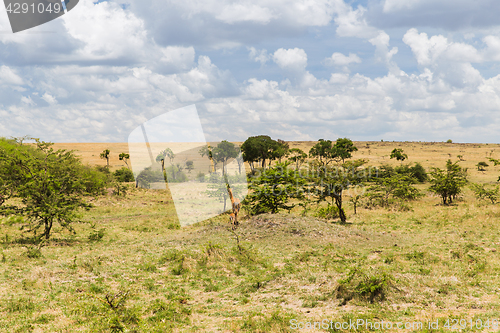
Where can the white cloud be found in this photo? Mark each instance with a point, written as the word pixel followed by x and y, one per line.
pixel 258 55
pixel 9 76
pixel 49 99
pixel 338 59
pixel 234 12
pixel 381 43
pixel 291 59
pixel 106 30
pixel 27 100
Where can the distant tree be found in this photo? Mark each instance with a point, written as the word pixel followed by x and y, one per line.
pixel 260 149
pixel 398 154
pixel 174 173
pixel 448 183
pixel 189 166
pixel 105 155
pixel 281 150
pixel 297 156
pixel 166 153
pixel 449 141
pixel 326 151
pixel 481 165
pixel 149 175
pixel 207 151
pixel 323 151
pixel 124 157
pixel 224 152
pixel 343 148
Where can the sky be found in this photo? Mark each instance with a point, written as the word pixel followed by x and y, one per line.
pixel 412 70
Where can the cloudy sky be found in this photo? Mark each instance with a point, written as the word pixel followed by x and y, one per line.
pixel 293 69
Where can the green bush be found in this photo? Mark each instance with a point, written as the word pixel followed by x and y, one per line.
pixel 200 177
pixel 329 212
pixel 124 175
pixel 272 190
pixel 149 175
pixel 174 174
pixel 359 285
pixel 96 235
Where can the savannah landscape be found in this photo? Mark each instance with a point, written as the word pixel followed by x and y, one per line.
pixel 130 267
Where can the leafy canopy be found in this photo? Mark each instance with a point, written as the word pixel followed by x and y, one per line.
pixel 448 183
pixel 52 185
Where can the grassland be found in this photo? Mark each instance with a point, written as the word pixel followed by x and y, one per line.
pixel 131 268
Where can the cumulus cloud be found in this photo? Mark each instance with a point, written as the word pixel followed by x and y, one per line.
pixel 112 67
pixel 428 50
pixel 338 59
pixel 294 59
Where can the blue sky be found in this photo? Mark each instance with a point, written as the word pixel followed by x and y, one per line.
pixel 423 70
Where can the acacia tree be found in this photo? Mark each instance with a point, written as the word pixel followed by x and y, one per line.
pixel 297 156
pixel 481 165
pixel 343 148
pixel 398 154
pixel 167 152
pixel 448 183
pixel 105 155
pixel 260 149
pixel 394 186
pixel 224 152
pixel 281 150
pixel 332 181
pixel 273 189
pixel 207 151
pixel 327 151
pixel 124 157
pixel 51 185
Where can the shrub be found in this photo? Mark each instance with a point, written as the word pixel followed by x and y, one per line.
pixel 273 190
pixel 124 175
pixel 358 285
pixel 200 177
pixel 328 212
pixel 174 174
pixel 96 235
pixel 448 183
pixel 149 175
pixel 483 193
pixel 418 172
pixel 389 189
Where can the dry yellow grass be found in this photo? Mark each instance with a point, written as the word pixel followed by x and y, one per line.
pixel 443 261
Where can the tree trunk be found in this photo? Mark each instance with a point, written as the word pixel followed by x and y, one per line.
pixel 338 202
pixel 48 227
